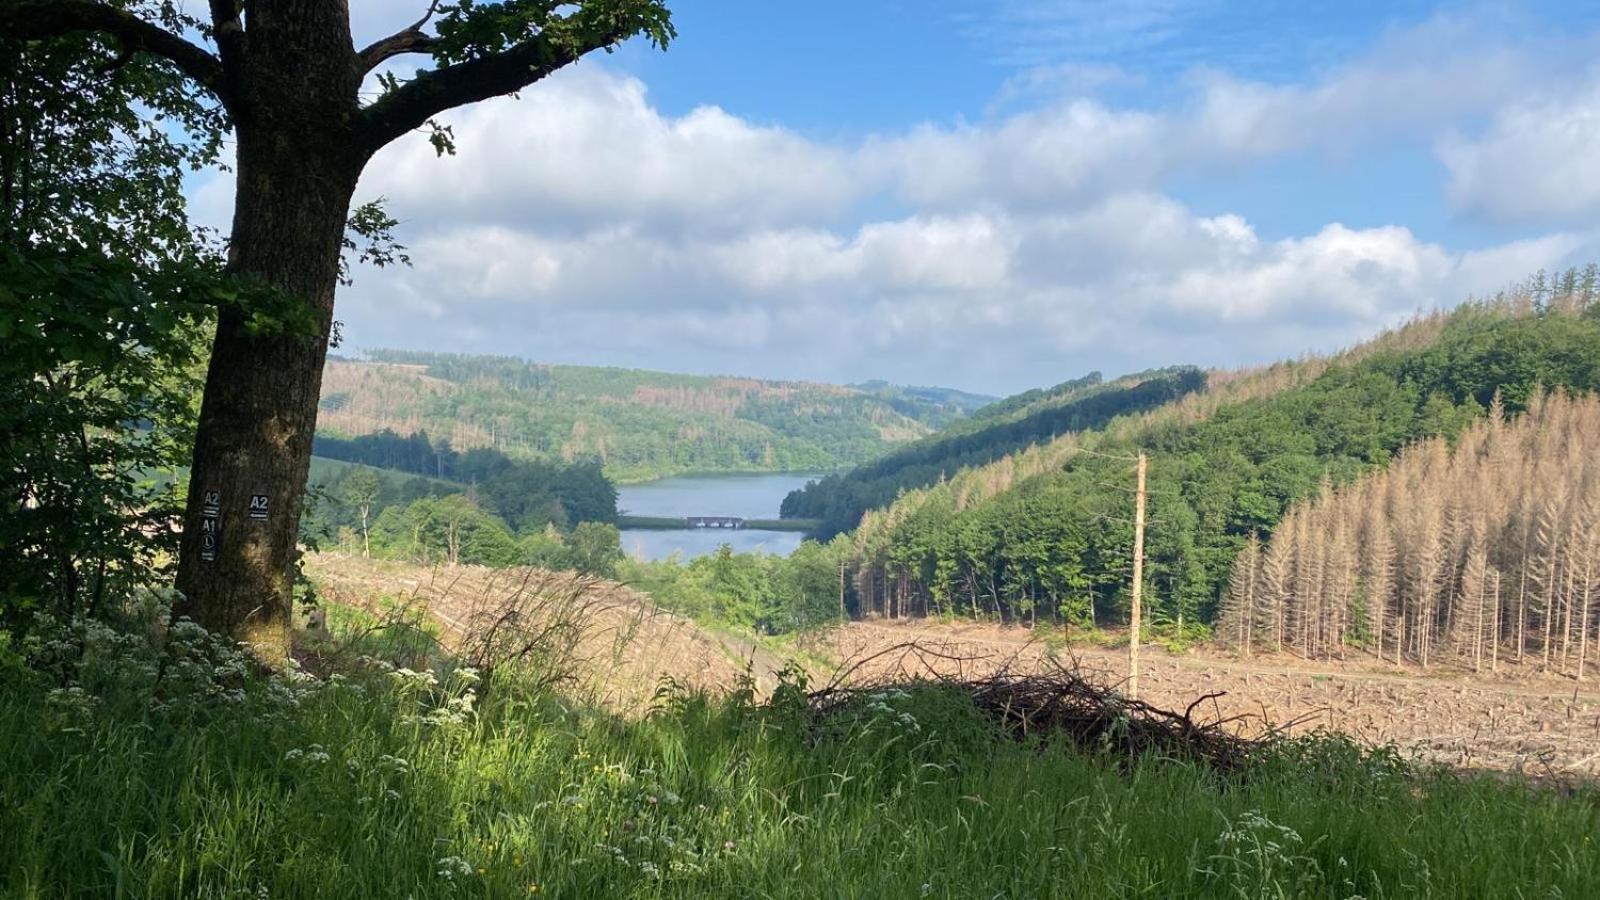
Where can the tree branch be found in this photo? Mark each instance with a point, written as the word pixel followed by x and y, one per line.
pixel 410 39
pixel 395 45
pixel 432 92
pixel 227 28
pixel 37 19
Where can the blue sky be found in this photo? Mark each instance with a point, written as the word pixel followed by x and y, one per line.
pixel 869 66
pixel 895 65
pixel 995 195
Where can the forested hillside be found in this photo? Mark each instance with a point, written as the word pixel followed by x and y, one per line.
pixel 502 512
pixel 996 430
pixel 522 490
pixel 936 406
pixel 637 424
pixel 1481 552
pixel 420 665
pixel 1047 532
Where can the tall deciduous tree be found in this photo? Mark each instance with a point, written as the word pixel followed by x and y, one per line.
pixel 361 490
pixel 288 74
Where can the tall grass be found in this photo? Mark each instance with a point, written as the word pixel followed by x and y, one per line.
pixel 397 783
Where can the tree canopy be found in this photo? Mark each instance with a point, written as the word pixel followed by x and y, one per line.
pixel 284 79
pixel 106 295
pixel 1046 532
pixel 1006 426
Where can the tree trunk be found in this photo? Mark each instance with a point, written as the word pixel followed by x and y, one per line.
pixel 297 169
pixel 1522 610
pixel 1498 617
pixel 1588 589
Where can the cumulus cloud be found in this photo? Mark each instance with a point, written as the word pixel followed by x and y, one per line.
pixel 583 224
pixel 587 148
pixel 1534 162
pixel 1074 147
pixel 996 300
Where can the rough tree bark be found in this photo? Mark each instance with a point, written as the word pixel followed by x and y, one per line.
pixel 289 77
pixel 298 162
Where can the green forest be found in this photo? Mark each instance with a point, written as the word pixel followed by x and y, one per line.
pixel 991 432
pixel 1046 533
pixel 504 513
pixel 525 492
pixel 936 406
pixel 639 425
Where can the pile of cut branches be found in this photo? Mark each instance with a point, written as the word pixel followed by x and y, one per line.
pixel 1063 701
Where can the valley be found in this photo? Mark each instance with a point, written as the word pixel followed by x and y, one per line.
pixel 1521 722
pixel 1014 450
pixel 1004 538
pixel 1293 507
pixel 638 425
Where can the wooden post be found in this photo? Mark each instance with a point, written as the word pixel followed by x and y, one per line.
pixel 1135 613
pixel 844 616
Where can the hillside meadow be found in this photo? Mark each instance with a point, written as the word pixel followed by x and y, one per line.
pixel 158 762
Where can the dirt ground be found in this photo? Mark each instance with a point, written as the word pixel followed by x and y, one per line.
pixel 1524 723
pixel 1516 723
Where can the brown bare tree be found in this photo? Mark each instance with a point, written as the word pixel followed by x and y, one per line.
pixel 1486 549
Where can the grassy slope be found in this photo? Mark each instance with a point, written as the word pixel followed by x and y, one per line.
pixel 347 795
pixel 642 424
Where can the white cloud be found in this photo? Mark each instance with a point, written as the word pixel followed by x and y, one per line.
pixel 1360 278
pixel 582 224
pixel 1536 161
pixel 585 147
pixel 1066 153
pixel 995 300
pixel 1074 148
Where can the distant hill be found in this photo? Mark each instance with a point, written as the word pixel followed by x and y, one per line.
pixel 638 424
pixel 1046 532
pixel 990 433
pixel 935 406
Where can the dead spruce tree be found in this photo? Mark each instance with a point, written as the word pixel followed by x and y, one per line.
pixel 1237 617
pixel 289 75
pixel 1470 554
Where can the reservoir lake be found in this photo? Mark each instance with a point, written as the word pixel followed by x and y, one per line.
pixel 747 496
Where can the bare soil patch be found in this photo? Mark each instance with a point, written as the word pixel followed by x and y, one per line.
pixel 1516 723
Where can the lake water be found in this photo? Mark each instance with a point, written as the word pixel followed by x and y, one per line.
pixel 746 496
